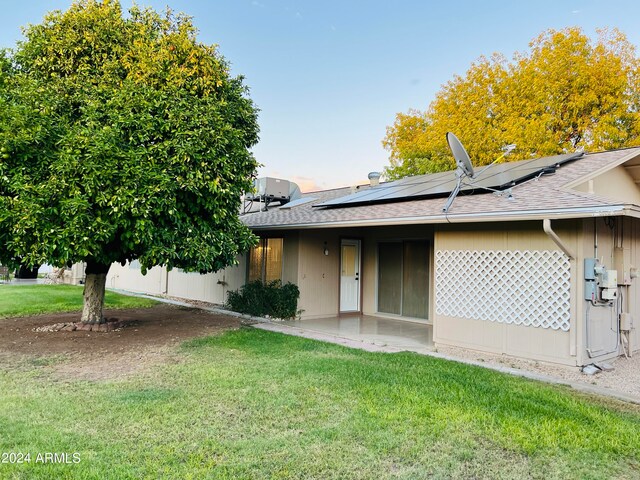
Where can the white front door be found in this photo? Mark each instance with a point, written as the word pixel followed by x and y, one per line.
pixel 350 276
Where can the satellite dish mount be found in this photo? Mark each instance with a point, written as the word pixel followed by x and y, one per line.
pixel 464 167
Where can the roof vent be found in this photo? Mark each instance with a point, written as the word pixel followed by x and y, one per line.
pixel 374 178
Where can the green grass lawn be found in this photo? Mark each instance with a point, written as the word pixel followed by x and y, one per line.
pixel 256 404
pixel 26 300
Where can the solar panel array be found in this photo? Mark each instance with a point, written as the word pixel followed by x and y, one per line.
pixel 496 177
pixel 299 201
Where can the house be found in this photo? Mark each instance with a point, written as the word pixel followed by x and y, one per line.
pixel 535 259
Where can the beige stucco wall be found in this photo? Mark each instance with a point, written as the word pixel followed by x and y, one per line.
pixel 129 278
pixel 516 340
pixel 631 247
pixel 603 320
pixel 318 274
pixel 212 287
pixel 615 184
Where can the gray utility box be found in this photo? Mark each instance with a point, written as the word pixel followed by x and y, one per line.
pixel 590 283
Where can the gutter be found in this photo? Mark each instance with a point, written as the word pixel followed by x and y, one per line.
pixel 522 215
pixel 546 226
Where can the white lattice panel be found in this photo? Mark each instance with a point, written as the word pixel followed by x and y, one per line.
pixel 529 288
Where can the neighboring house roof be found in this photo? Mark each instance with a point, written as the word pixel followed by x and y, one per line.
pixel 548 196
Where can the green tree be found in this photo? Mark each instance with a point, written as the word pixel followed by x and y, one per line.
pixel 121 138
pixel 567 92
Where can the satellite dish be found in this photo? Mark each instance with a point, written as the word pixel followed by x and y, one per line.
pixel 460 154
pixel 465 169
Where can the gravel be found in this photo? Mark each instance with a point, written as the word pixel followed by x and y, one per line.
pixel 624 378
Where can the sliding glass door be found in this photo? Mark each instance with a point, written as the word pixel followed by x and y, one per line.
pixel 403 278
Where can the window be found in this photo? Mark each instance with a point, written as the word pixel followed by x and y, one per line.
pixel 265 260
pixel 403 278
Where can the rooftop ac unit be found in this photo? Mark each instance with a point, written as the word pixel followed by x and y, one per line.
pixel 271 188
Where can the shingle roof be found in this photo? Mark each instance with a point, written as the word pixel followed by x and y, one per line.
pixel 546 196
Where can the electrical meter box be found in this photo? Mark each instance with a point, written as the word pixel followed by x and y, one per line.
pixel 590 291
pixel 621 264
pixel 609 285
pixel 600 284
pixel 590 284
pixel 610 279
pixel 609 294
pixel 590 268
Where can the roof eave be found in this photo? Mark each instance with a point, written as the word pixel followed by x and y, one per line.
pixel 630 156
pixel 520 215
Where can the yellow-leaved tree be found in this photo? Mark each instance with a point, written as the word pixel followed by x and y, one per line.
pixel 568 92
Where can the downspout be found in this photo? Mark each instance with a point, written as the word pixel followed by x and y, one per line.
pixel 546 226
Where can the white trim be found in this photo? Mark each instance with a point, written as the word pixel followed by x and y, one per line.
pixel 602 170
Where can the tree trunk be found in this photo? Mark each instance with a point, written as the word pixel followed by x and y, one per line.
pixel 96 278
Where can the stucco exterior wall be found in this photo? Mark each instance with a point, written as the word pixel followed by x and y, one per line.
pixel 318 274
pixel 212 287
pixel 624 233
pixel 517 340
pixel 129 278
pixel 615 184
pixel 631 300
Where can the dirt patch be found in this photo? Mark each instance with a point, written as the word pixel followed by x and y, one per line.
pixel 149 336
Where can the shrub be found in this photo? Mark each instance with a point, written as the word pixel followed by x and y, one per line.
pixel 272 299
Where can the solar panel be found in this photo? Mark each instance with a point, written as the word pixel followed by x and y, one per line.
pixel 496 177
pixel 299 201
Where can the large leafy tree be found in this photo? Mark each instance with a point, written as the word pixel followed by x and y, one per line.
pixel 121 138
pixel 567 92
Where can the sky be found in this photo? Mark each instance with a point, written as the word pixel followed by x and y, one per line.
pixel 330 76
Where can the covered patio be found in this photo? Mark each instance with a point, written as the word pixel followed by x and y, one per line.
pixel 370 329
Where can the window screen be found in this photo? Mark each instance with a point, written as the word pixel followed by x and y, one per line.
pixel 389 277
pixel 403 278
pixel 273 260
pixel 265 260
pixel 415 279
